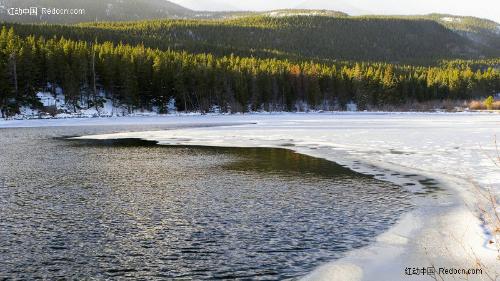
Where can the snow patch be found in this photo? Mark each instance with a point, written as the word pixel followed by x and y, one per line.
pixel 282 14
pixel 349 272
pixel 451 19
pixel 48 100
pixel 28 111
pixel 55 106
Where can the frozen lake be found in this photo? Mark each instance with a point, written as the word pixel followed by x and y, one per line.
pixel 446 226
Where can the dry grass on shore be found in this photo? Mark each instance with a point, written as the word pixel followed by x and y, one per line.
pixel 489 210
pixel 480 105
pixel 446 105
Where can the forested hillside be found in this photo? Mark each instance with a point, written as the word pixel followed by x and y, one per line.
pixel 292 37
pixel 141 77
pixel 280 60
pixel 481 31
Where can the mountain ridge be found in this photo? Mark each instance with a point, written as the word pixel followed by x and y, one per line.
pixel 336 5
pixel 293 33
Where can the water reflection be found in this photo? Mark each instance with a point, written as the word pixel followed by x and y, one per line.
pixel 129 208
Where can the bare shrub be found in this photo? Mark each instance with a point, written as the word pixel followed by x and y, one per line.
pixel 52 110
pixel 495 105
pixel 476 105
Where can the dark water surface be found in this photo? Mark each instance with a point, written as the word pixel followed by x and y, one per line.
pixel 118 209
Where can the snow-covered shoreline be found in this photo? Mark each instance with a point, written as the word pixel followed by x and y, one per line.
pixel 451 148
pixel 138 118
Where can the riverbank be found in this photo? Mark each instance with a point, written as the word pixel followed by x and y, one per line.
pixel 454 149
